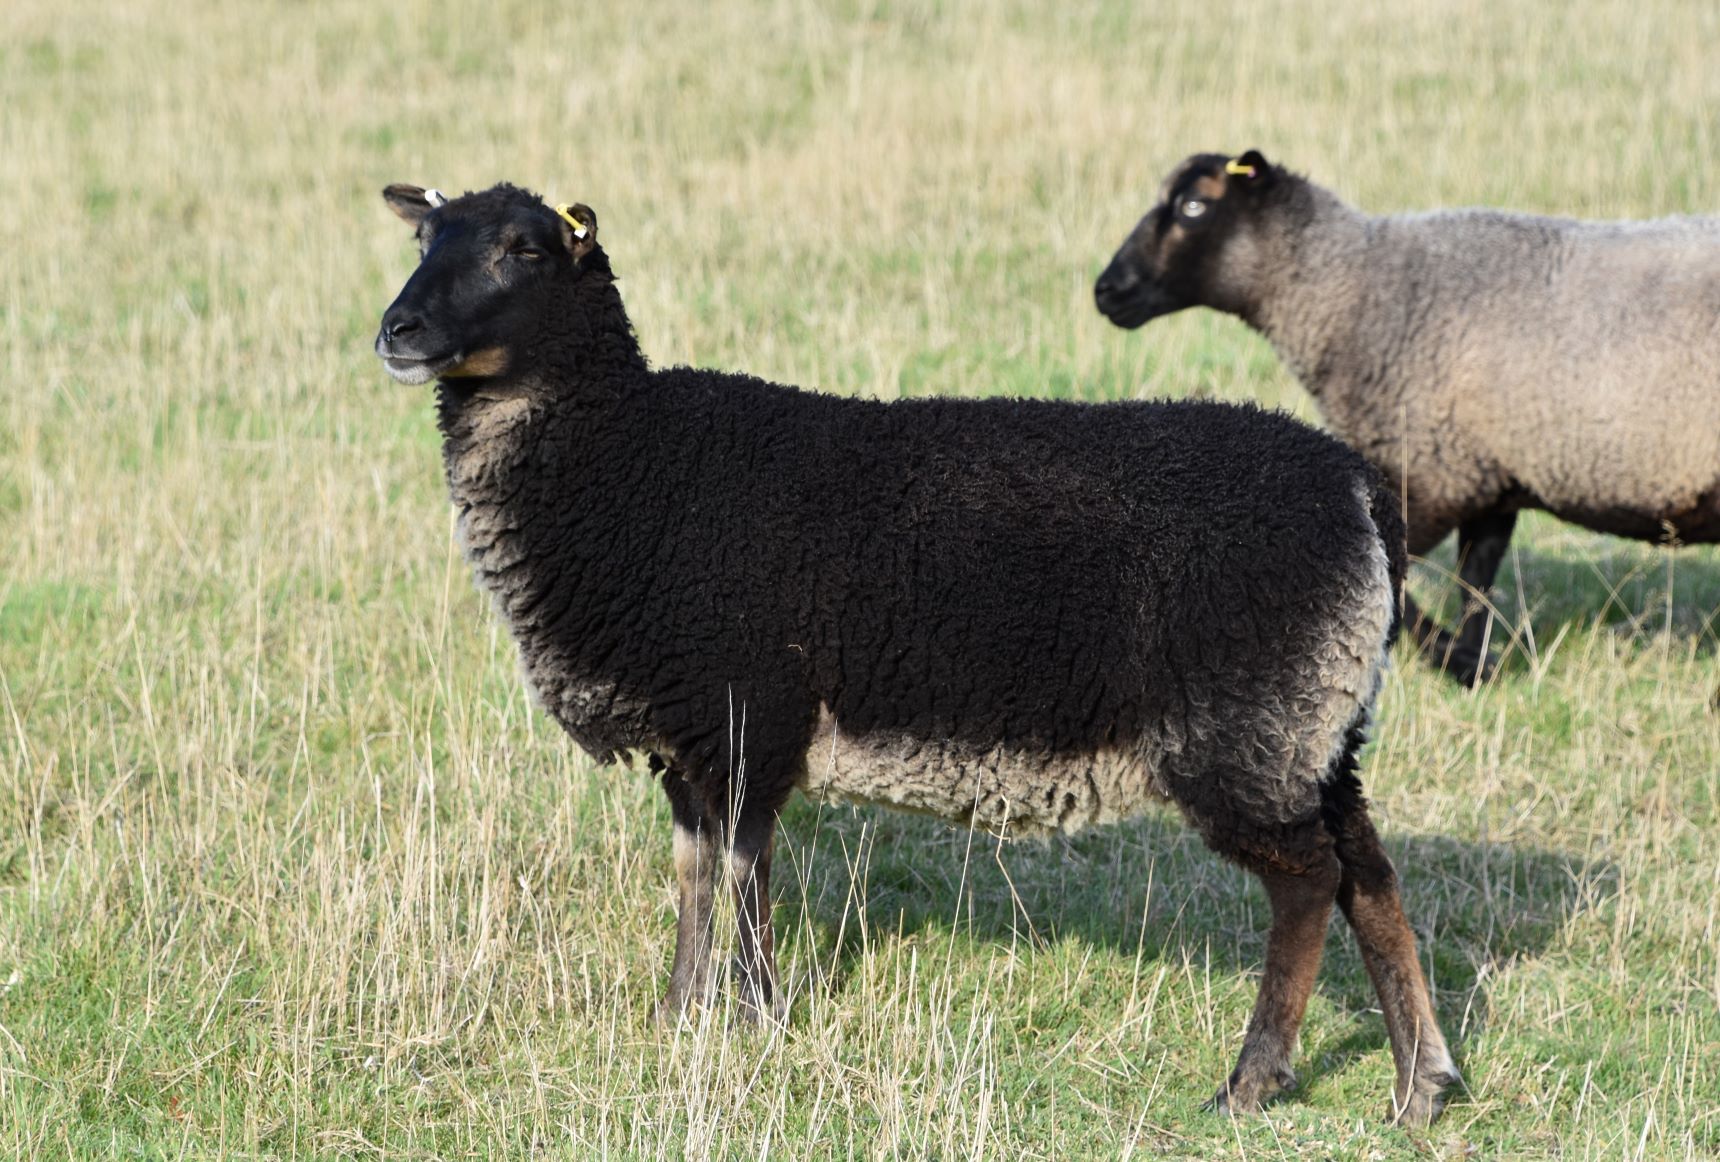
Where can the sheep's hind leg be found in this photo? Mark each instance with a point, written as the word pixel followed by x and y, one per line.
pixel 749 860
pixel 1301 899
pixel 1368 896
pixel 698 852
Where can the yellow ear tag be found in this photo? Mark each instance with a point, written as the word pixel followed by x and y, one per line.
pixel 565 211
pixel 1234 166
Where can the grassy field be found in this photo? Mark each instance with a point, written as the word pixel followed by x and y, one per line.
pixel 290 868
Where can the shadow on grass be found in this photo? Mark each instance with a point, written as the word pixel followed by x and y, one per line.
pixel 1149 891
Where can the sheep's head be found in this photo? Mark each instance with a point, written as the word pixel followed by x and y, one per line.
pixel 487 263
pixel 1203 245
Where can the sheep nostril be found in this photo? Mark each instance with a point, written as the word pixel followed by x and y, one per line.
pixel 1113 283
pixel 394 330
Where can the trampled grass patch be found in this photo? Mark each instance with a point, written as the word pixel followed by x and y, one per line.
pixel 290 866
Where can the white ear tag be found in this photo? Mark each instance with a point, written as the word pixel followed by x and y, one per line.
pixel 436 198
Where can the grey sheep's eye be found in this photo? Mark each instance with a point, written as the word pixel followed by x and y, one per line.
pixel 1193 208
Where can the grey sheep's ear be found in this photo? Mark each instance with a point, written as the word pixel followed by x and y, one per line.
pixel 409 203
pixel 1250 170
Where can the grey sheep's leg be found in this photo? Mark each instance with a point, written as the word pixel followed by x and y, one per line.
pixel 1431 639
pixel 749 860
pixel 1301 908
pixel 1368 897
pixel 1481 545
pixel 698 854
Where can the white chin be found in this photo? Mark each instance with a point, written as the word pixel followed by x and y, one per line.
pixel 411 371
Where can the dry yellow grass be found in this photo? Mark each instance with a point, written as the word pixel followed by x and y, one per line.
pixel 288 866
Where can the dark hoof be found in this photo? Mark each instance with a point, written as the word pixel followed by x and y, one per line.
pixel 1238 1096
pixel 1425 1102
pixel 1463 662
pixel 770 1012
pixel 1227 1103
pixel 676 1009
pixel 1468 668
pixel 758 1002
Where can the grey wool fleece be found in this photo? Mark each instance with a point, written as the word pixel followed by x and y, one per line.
pixel 1574 364
pixel 1485 362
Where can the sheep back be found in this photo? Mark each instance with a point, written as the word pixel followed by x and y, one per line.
pixel 1480 358
pixel 1021 614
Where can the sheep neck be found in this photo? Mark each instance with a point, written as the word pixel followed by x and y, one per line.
pixel 528 462
pixel 1307 304
pixel 579 356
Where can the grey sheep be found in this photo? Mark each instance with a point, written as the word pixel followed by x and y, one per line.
pixel 1486 362
pixel 1013 614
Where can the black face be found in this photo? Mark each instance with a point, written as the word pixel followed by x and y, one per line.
pixel 485 260
pixel 1172 258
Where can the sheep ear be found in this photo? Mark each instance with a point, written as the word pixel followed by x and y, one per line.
pixel 410 203
pixel 1250 170
pixel 578 228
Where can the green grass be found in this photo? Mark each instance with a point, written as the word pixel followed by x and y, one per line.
pixel 289 867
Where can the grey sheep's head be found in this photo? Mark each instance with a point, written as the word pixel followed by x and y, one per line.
pixel 1202 245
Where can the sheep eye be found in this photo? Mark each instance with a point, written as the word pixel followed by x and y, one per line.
pixel 524 250
pixel 1193 208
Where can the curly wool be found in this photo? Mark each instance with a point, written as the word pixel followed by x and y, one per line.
pixel 1020 614
pixel 1486 360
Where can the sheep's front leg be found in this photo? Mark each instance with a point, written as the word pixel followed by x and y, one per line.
pixel 749 860
pixel 1301 907
pixel 698 853
pixel 1481 545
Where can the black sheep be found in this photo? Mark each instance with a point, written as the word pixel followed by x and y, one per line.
pixel 1012 614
